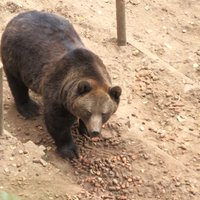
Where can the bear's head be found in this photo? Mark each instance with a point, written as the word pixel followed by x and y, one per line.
pixel 95 103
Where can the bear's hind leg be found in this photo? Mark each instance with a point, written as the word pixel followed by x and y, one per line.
pixel 25 105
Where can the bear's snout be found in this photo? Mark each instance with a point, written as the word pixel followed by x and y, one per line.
pixel 94 125
pixel 94 134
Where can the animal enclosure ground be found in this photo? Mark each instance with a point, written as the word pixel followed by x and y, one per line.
pixel 150 147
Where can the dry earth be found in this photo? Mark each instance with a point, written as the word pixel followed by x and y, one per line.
pixel 151 147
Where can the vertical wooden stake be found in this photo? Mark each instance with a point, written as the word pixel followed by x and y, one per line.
pixel 1 100
pixel 121 22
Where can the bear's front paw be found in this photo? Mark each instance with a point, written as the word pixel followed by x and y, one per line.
pixel 29 109
pixel 69 151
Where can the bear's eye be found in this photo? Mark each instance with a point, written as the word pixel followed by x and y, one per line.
pixel 87 113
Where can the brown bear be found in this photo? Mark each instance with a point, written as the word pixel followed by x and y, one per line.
pixel 42 52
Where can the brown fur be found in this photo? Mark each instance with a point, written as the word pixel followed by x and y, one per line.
pixel 43 52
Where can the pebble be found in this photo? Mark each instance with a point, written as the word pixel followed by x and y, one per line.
pixel 198 52
pixel 133 157
pixel 183 147
pixel 148 92
pixel 155 78
pixel 177 184
pixel 149 31
pixel 152 163
pixel 169 94
pixel 135 52
pixel 195 65
pixel 142 128
pixel 130 180
pixel 6 170
pixel 115 181
pixel 98 173
pixel 127 184
pixel 147 8
pixel 193 192
pixel 40 161
pixel 40 127
pixel 11 158
pixel 76 173
pixel 99 12
pixel 112 188
pixel 99 179
pixel 121 198
pixel 146 157
pixel 48 148
pixel 134 2
pixel 124 159
pixel 112 173
pixel 18 165
pixel 168 45
pixel 21 151
pixel 184 31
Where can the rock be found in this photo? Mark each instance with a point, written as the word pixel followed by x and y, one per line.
pixel 198 52
pixel 142 128
pixel 134 2
pixel 40 161
pixel 34 149
pixel 115 181
pixel 147 8
pixel 112 188
pixel 121 198
pixel 149 31
pixel 123 186
pixel 195 65
pixel 193 191
pixel 168 45
pixel 6 170
pixel 21 151
pixel 130 180
pixel 136 53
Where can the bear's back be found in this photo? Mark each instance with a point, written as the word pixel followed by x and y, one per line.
pixel 44 35
pixel 33 40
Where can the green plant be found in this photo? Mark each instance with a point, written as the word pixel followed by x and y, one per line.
pixel 7 196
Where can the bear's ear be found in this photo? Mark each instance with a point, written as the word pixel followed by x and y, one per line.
pixel 115 93
pixel 84 87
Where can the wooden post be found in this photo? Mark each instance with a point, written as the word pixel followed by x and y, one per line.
pixel 121 22
pixel 1 100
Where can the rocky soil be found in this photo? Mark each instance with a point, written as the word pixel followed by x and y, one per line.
pixel 150 147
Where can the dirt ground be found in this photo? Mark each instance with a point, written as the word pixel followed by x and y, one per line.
pixel 151 147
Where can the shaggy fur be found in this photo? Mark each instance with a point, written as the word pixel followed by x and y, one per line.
pixel 43 52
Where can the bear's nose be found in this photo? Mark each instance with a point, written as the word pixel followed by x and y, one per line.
pixel 94 133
